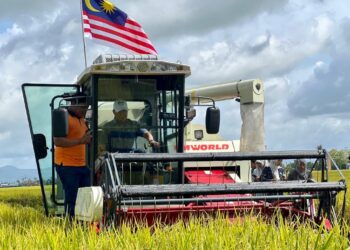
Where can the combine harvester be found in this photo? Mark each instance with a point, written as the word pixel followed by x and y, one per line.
pixel 167 183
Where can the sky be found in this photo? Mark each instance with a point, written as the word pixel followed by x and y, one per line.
pixel 298 48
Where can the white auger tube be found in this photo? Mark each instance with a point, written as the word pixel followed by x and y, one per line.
pixel 251 95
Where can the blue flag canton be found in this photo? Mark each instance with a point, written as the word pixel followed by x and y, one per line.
pixel 118 16
pixel 106 10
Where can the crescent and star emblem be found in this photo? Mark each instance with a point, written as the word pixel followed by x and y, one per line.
pixel 90 7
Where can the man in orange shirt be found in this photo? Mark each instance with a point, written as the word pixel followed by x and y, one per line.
pixel 70 159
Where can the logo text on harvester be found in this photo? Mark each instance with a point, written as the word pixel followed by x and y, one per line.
pixel 204 147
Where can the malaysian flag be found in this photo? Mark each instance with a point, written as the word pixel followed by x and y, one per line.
pixel 105 22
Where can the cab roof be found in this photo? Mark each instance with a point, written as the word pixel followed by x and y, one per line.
pixel 133 65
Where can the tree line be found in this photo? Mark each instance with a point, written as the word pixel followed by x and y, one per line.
pixel 341 158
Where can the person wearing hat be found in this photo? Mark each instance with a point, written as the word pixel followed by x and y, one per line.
pixel 70 159
pixel 299 173
pixel 278 170
pixel 259 166
pixel 120 133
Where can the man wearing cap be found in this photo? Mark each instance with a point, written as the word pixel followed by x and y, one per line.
pixel 70 159
pixel 121 132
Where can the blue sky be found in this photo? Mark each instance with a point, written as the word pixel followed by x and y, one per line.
pixel 298 48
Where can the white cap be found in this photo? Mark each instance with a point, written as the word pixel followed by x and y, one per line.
pixel 120 105
pixel 261 162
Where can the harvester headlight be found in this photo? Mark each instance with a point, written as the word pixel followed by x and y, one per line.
pixel 198 134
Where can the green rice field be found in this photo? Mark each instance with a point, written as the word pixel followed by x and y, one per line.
pixel 23 225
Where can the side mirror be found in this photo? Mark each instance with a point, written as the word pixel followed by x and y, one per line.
pixel 40 148
pixel 59 122
pixel 212 120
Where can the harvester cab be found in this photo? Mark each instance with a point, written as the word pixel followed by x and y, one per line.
pixel 154 94
pixel 191 171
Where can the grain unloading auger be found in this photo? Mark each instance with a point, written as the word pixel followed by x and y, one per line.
pixel 212 175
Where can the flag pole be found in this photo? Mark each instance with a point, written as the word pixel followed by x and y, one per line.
pixel 82 30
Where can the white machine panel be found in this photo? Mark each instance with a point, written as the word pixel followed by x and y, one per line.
pixel 89 204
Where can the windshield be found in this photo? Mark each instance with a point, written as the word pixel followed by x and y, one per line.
pixel 130 107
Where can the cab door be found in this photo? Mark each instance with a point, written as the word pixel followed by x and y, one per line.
pixel 39 100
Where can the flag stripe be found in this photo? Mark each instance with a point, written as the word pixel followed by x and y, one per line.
pixel 130 36
pixel 133 22
pixel 111 44
pixel 112 28
pixel 135 41
pixel 131 28
pixel 105 33
pixel 119 34
pixel 124 41
pixel 91 29
pixel 114 41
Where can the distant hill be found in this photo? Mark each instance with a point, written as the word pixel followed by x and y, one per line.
pixel 11 174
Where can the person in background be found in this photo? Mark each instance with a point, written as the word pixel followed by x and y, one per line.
pixel 259 166
pixel 278 170
pixel 252 167
pixel 266 174
pixel 299 173
pixel 70 158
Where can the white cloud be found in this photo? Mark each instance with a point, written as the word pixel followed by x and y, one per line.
pixel 172 20
pixel 326 90
pixel 10 33
pixel 265 56
pixel 308 133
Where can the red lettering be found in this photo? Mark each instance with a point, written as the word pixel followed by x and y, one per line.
pixel 195 147
pixel 206 147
